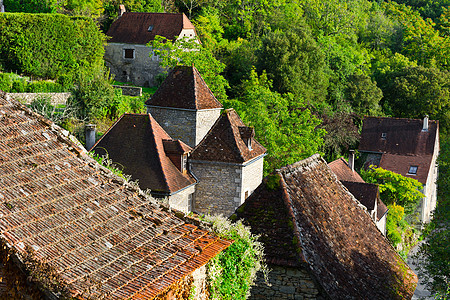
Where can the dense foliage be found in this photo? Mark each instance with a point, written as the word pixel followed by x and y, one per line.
pixel 233 271
pixel 434 254
pixel 49 45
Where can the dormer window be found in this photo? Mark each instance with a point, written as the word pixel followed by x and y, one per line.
pixel 413 170
pixel 249 144
pixel 177 152
pixel 383 136
pixel 184 163
pixel 150 28
pixel 247 133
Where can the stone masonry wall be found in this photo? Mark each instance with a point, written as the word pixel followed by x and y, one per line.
pixel 219 188
pixel 252 175
pixel 129 90
pixel 140 70
pixel 285 283
pixel 179 200
pixel 179 124
pixel 55 98
pixel 205 120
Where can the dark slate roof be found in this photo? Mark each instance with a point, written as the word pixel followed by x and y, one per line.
pixel 185 88
pixel 343 171
pixel 136 143
pixel 366 193
pixel 63 212
pixel 333 233
pixel 132 27
pixel 224 142
pixel 381 209
pixel 403 136
pixel 400 164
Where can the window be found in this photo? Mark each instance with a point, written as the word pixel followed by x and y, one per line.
pixel 383 135
pixel 190 202
pixel 128 53
pixel 412 170
pixel 150 28
pixel 183 163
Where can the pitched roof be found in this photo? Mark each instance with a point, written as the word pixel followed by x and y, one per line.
pixel 103 237
pixel 403 136
pixel 343 171
pixel 366 193
pixel 133 27
pixel 224 142
pixel 185 88
pixel 334 235
pixel 137 143
pixel 400 164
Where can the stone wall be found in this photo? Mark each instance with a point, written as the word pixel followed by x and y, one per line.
pixel 252 175
pixel 140 70
pixel 178 123
pixel 285 283
pixel 129 90
pixel 180 200
pixel 219 188
pixel 205 120
pixel 55 98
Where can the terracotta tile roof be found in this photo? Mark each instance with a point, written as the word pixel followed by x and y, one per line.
pixel 185 88
pixel 133 27
pixel 400 164
pixel 136 142
pixel 403 136
pixel 104 238
pixel 337 240
pixel 343 171
pixel 224 142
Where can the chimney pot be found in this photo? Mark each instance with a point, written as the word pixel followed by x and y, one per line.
pixel 351 160
pixel 122 10
pixel 425 123
pixel 90 136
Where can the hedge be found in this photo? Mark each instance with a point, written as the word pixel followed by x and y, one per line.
pixel 49 45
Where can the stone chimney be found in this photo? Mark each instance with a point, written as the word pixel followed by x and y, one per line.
pixel 425 123
pixel 122 10
pixel 90 136
pixel 2 7
pixel 351 160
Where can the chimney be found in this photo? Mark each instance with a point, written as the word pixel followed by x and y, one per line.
pixel 90 136
pixel 351 160
pixel 425 123
pixel 122 10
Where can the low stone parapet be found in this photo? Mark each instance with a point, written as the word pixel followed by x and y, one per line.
pixel 129 90
pixel 28 98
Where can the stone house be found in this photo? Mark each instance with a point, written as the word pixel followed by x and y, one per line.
pixel 366 193
pixel 70 228
pixel 408 147
pixel 228 163
pixel 142 149
pixel 184 105
pixel 319 241
pixel 127 54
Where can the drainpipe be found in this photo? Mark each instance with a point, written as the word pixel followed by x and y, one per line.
pixel 90 136
pixel 425 123
pixel 351 160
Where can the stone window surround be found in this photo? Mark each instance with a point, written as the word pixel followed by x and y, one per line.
pixel 124 53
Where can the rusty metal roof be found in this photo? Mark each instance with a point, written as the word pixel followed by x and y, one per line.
pixel 141 28
pixel 333 234
pixel 102 236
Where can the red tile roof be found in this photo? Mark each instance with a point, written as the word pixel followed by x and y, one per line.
pixel 133 27
pixel 403 136
pixel 400 164
pixel 185 88
pixel 334 236
pixel 225 143
pixel 136 143
pixel 104 238
pixel 343 171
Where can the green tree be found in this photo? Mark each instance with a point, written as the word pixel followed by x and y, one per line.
pixel 189 52
pixel 395 188
pixel 434 254
pixel 290 133
pixel 394 223
pixel 295 64
pixel 31 6
pixel 364 95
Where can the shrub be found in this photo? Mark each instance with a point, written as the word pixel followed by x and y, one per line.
pixel 232 272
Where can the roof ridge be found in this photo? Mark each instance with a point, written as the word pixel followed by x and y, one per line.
pixel 196 72
pixel 235 129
